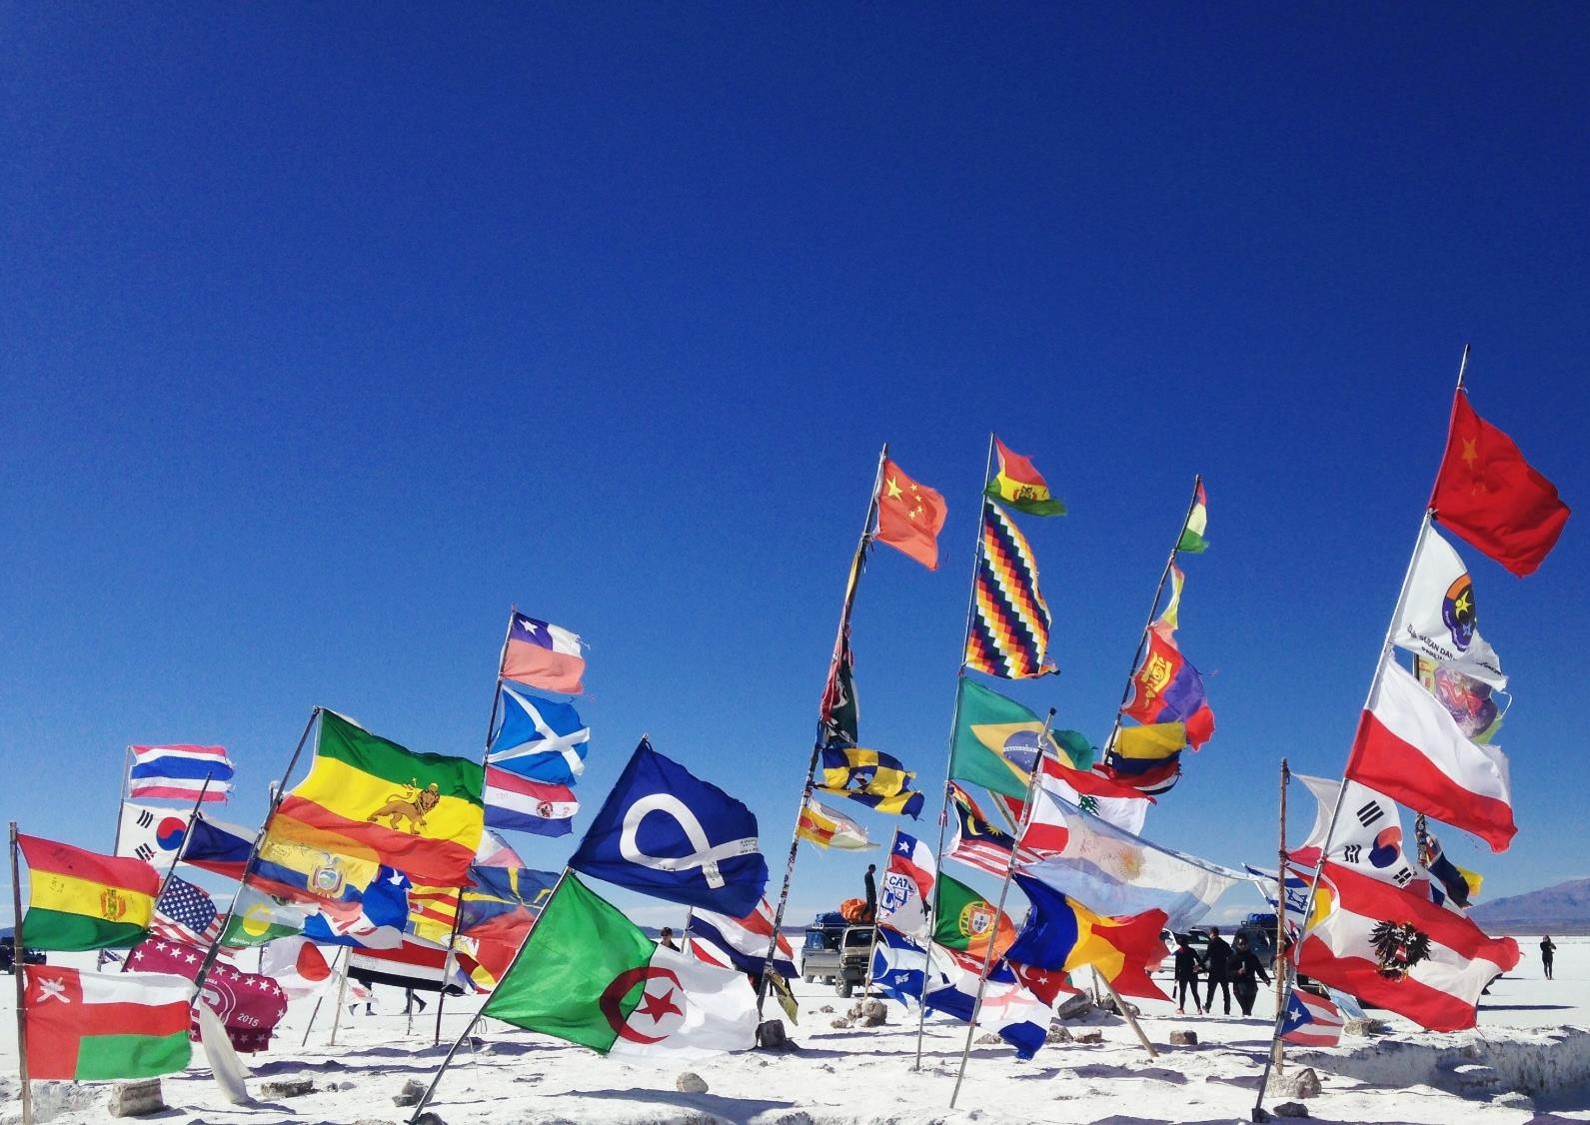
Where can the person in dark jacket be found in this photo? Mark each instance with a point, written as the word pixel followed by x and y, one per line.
pixel 1187 966
pixel 871 914
pixel 1218 957
pixel 1246 973
pixel 1548 950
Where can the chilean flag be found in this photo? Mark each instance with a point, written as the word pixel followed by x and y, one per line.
pixel 528 806
pixel 1410 748
pixel 543 656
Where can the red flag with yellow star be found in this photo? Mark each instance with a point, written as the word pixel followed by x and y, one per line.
pixel 1487 493
pixel 910 516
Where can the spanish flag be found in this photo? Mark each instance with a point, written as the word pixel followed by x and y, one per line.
pixel 1019 485
pixel 373 800
pixel 82 900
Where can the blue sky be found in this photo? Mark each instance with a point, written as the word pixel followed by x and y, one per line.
pixel 329 333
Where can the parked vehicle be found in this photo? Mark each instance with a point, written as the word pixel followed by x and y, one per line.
pixel 855 951
pixel 820 954
pixel 1259 929
pixel 8 952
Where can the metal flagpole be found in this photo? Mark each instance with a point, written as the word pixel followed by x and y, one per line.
pixel 841 647
pixel 1386 650
pixel 1280 919
pixel 19 970
pixel 955 725
pixel 425 1099
pixel 999 910
pixel 198 802
pixel 872 950
pixel 279 792
pixel 342 998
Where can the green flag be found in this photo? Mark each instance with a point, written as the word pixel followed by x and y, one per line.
pixel 965 920
pixel 996 742
pixel 258 918
pixel 589 975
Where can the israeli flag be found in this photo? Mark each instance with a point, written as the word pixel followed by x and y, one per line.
pixel 664 832
pixel 539 739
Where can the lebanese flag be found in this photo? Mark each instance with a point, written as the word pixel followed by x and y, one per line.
pixel 542 655
pixel 93 1027
pixel 1398 950
pixel 1487 493
pixel 1410 748
pixel 910 516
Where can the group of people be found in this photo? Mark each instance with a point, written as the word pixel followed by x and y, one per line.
pixel 1233 968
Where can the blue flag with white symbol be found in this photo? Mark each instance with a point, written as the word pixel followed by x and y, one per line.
pixel 898 965
pixel 539 739
pixel 665 832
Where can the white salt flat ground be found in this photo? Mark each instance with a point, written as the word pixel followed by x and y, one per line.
pixel 865 1076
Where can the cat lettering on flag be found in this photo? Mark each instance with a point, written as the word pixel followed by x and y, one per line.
pixel 907 886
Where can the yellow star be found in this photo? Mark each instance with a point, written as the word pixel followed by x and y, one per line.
pixel 1461 606
pixel 894 489
pixel 1470 454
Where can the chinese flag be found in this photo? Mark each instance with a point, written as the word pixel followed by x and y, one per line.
pixel 910 516
pixel 1487 493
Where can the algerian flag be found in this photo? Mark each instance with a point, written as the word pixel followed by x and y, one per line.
pixel 589 975
pixel 258 918
pixel 1439 619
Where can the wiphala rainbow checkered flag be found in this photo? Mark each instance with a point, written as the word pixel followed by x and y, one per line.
pixel 1009 637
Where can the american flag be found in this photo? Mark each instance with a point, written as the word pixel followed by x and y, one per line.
pixel 185 912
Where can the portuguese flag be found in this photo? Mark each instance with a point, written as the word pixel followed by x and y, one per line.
pixel 83 900
pixel 965 920
pixel 93 1027
pixel 366 797
pixel 588 974
pixel 1019 485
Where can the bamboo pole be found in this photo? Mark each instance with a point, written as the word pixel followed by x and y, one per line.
pixel 121 814
pixel 19 970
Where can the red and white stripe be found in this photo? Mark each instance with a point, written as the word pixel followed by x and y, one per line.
pixel 540 799
pixel 1324 1026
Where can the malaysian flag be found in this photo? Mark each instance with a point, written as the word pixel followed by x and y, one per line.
pixel 185 912
pixel 977 842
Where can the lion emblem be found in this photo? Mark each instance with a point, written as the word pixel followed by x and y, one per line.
pixel 1398 948
pixel 411 806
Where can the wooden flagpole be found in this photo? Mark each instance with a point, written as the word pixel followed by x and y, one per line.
pixel 321 999
pixel 841 647
pixel 419 1108
pixel 342 998
pixel 1280 920
pixel 121 814
pixel 1387 649
pixel 19 970
pixel 955 725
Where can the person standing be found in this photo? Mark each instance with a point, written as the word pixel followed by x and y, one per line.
pixel 411 998
pixel 666 939
pixel 1187 963
pixel 1246 973
pixel 1548 950
pixel 1218 957
pixel 870 915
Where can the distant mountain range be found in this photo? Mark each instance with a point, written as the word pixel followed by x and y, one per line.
pixel 1562 909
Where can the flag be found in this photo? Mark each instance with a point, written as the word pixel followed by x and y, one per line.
pixel 590 976
pixel 1009 1010
pixel 258 918
pixel 1487 493
pixel 1116 873
pixel 177 773
pixel 150 833
pixel 185 912
pixel 840 710
pixel 1311 1021
pixel 1368 836
pixel 1296 893
pixel 1147 758
pixel 495 852
pixel 964 920
pixel 312 865
pixel 414 964
pixel 1472 703
pixel 977 843
pixel 1398 950
pixel 996 740
pixel 664 832
pixel 829 829
pixel 541 807
pixel 1096 793
pixel 1009 637
pixel 1409 748
pixel 873 778
pixel 539 739
pixel 1166 688
pixel 542 655
pixel 907 883
pixel 910 516
pixel 296 965
pixel 95 1027
pixel 1060 933
pixel 1019 485
pixel 1194 533
pixel 81 900
pixel 1439 619
pixel 218 847
pixel 431 804
pixel 739 943
pixel 898 965
pixel 432 913
pixel 377 921
pixel 249 1005
pixel 1461 886
pixel 1047 985
pixel 498 911
pixel 1170 617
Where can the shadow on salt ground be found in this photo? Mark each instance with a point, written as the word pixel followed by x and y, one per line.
pixel 1151 1073
pixel 1524 1007
pixel 732 1109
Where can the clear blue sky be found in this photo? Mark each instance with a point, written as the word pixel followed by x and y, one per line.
pixel 327 333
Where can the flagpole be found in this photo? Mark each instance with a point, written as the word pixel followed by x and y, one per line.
pixel 841 644
pixel 425 1099
pixel 999 910
pixel 165 882
pixel 955 724
pixel 18 969
pixel 1153 608
pixel 1280 919
pixel 342 997
pixel 872 950
pixel 321 999
pixel 277 795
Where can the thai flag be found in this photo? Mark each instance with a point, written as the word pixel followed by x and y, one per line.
pixel 543 656
pixel 528 806
pixel 1311 1021
pixel 178 773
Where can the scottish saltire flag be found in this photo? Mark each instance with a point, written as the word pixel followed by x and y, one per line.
pixel 1009 637
pixel 907 885
pixel 516 802
pixel 664 832
pixel 375 921
pixel 1009 1010
pixel 214 845
pixel 177 773
pixel 185 912
pixel 1311 1021
pixel 739 943
pixel 542 655
pixel 898 965
pixel 539 739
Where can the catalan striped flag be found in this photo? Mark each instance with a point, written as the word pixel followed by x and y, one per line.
pixel 1009 637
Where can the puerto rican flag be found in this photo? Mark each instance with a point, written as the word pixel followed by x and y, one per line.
pixel 528 806
pixel 1311 1021
pixel 542 655
pixel 178 773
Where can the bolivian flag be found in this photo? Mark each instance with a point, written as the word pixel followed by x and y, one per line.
pixel 373 799
pixel 82 900
pixel 1020 485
